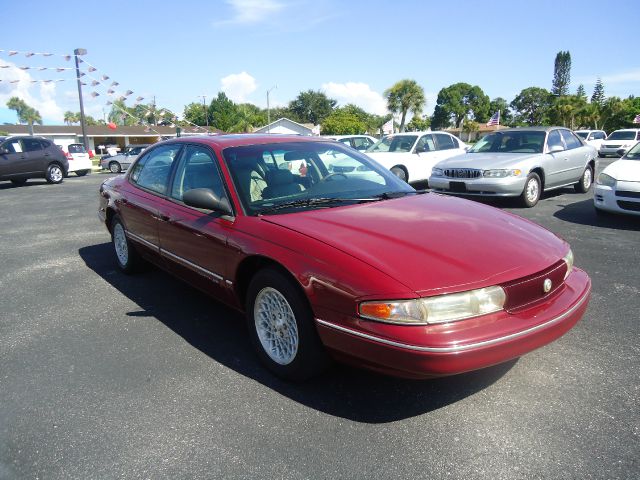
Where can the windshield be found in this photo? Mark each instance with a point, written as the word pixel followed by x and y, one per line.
pixel 76 148
pixel 306 175
pixel 582 135
pixel 394 143
pixel 510 142
pixel 633 153
pixel 622 135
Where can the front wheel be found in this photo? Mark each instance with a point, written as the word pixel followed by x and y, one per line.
pixel 585 182
pixel 114 167
pixel 281 327
pixel 54 173
pixel 532 190
pixel 82 173
pixel 400 173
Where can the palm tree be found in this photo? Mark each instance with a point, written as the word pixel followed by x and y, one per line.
pixel 26 114
pixel 70 117
pixel 403 96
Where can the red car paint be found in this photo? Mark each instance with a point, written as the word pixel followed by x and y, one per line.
pixel 403 248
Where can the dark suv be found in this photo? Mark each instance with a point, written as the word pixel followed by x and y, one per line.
pixel 25 157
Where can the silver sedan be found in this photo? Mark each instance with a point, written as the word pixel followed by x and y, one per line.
pixel 519 162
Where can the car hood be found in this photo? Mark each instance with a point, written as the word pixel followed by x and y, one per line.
pixel 486 160
pixel 624 170
pixel 432 243
pixel 388 159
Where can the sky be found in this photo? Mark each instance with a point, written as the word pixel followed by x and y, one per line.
pixel 180 51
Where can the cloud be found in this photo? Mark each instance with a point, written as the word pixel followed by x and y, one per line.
pixel 249 12
pixel 238 86
pixel 359 94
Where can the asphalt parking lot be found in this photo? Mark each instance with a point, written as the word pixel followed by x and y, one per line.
pixel 104 375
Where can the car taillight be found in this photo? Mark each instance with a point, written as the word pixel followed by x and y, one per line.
pixel 69 156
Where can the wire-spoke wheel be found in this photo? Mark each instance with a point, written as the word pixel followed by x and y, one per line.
pixel 282 327
pixel 532 190
pixel 586 180
pixel 54 173
pixel 127 257
pixel 114 167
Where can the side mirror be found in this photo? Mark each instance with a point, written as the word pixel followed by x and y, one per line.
pixel 207 200
pixel 420 149
pixel 556 148
pixel 4 150
pixel 621 151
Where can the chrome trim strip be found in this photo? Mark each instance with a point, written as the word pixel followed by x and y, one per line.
pixel 229 282
pixel 456 348
pixel 187 263
pixel 141 240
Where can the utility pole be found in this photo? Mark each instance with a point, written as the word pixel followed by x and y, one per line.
pixel 269 110
pixel 76 53
pixel 206 114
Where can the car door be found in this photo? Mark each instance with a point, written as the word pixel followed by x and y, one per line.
pixel 147 184
pixel 194 241
pixel 556 164
pixel 13 162
pixel 425 156
pixel 577 156
pixel 37 157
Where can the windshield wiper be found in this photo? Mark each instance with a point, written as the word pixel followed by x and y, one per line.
pixel 320 201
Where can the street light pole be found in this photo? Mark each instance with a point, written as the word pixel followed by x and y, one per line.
pixel 206 114
pixel 76 53
pixel 269 110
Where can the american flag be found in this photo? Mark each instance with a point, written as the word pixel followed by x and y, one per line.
pixel 637 119
pixel 495 120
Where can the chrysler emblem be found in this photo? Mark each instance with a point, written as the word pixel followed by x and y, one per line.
pixel 546 286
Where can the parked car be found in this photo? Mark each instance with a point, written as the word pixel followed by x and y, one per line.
pixel 359 142
pixel 410 156
pixel 595 138
pixel 622 139
pixel 79 160
pixel 122 161
pixel 617 187
pixel 24 157
pixel 519 162
pixel 329 266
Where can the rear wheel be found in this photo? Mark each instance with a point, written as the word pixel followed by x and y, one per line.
pixel 114 167
pixel 19 182
pixel 400 173
pixel 281 327
pixel 585 182
pixel 54 173
pixel 532 190
pixel 128 259
pixel 82 173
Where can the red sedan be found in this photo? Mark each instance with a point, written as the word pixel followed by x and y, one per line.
pixel 331 256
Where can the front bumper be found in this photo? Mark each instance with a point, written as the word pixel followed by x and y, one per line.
pixel 449 349
pixel 500 187
pixel 623 198
pixel 606 151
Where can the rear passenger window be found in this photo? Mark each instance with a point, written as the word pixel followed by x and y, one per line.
pixel 152 171
pixel 444 141
pixel 198 169
pixel 570 139
pixel 31 144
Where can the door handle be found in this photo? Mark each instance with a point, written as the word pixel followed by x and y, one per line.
pixel 165 218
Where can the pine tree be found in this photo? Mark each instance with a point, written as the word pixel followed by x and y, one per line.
pixel 561 74
pixel 598 93
pixel 580 92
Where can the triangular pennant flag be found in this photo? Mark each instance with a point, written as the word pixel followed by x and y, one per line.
pixel 47 81
pixel 14 81
pixel 114 84
pixel 42 68
pixel 139 99
pixel 34 81
pixel 95 94
pixel 147 129
pixel 5 66
pixel 104 77
pixel 109 102
pixel 68 57
pixel 111 91
pixel 60 80
pixel 12 53
pixel 83 83
pixel 80 60
pixel 46 54
pixel 24 68
pixel 29 54
pixel 94 83
pixel 92 69
pixel 127 93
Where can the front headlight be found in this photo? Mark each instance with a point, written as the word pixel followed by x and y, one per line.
pixel 606 180
pixel 437 172
pixel 568 259
pixel 439 309
pixel 501 173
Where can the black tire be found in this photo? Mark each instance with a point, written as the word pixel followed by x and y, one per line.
pixel 127 258
pixel 54 173
pixel 19 182
pixel 586 180
pixel 532 191
pixel 272 293
pixel 115 167
pixel 82 173
pixel 400 173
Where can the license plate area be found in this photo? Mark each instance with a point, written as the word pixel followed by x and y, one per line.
pixel 458 187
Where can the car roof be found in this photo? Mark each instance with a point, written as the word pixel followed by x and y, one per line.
pixel 244 139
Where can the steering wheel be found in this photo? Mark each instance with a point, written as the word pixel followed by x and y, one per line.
pixel 334 175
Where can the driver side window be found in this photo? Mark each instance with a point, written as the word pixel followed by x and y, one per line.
pixel 152 171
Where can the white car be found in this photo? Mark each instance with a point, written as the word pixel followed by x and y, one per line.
pixel 620 139
pixel 411 156
pixel 618 185
pixel 595 138
pixel 359 142
pixel 79 161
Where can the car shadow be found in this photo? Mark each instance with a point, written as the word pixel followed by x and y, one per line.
pixel 32 182
pixel 514 202
pixel 220 333
pixel 584 213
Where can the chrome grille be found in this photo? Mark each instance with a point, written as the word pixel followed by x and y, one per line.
pixel 462 173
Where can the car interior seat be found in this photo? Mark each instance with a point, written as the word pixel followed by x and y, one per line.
pixel 280 183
